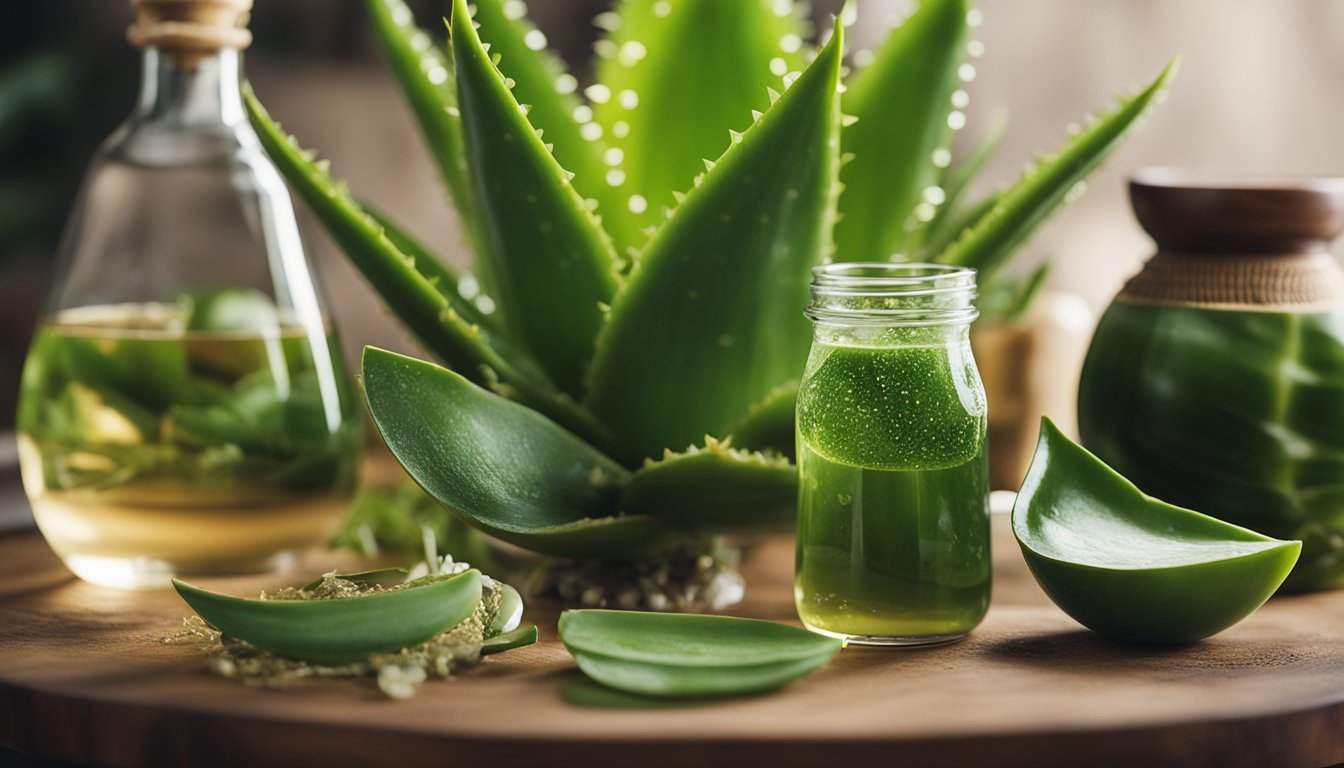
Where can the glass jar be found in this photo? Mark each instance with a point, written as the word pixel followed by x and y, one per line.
pixel 1215 380
pixel 184 407
pixel 893 498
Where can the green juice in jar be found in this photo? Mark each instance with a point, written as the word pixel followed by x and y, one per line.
pixel 893 524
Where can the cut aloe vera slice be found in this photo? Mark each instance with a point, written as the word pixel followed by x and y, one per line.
pixel 1130 566
pixel 678 655
pixel 344 630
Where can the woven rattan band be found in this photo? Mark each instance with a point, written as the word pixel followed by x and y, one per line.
pixel 1262 282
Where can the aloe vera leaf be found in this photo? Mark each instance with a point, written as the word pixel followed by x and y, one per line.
pixel 1027 290
pixel 426 78
pixel 954 223
pixel 710 320
pixel 1055 180
pixel 699 65
pixel 503 468
pixel 448 329
pixel 1130 566
pixel 457 339
pixel 955 181
pixel 902 101
pixel 508 641
pixel 458 289
pixel 769 424
pixel 715 488
pixel 551 265
pixel 679 655
pixel 343 630
pixel 541 82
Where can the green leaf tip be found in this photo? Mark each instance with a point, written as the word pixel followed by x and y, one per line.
pixel 1024 207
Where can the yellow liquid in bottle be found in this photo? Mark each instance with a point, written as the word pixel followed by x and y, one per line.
pixel 149 449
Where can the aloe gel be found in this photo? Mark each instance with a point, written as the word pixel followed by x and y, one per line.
pixel 893 526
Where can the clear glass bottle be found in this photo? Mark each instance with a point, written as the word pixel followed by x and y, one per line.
pixel 893 499
pixel 184 407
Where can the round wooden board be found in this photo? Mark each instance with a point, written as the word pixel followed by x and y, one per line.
pixel 84 677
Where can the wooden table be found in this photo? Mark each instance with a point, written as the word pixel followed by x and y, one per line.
pixel 84 677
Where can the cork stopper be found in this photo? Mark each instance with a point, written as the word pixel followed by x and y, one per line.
pixel 190 28
pixel 1238 243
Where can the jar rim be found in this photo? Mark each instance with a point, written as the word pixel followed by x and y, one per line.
pixel 915 294
pixel 892 278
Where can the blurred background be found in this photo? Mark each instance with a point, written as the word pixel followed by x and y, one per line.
pixel 1259 90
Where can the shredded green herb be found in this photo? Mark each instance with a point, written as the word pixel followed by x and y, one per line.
pixel 398 675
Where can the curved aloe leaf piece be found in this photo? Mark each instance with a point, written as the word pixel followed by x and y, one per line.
pixel 656 65
pixel 769 425
pixel 426 78
pixel 679 655
pixel 1022 208
pixel 715 488
pixel 1129 566
pixel 901 102
pixel 344 630
pixel 449 327
pixel 500 466
pixel 550 266
pixel 508 641
pixel 710 320
pixel 541 82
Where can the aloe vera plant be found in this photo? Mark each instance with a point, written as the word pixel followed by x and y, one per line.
pixel 624 362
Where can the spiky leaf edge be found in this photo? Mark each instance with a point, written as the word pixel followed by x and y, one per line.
pixel 421 306
pixel 1025 206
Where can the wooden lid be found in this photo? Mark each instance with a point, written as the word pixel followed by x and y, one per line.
pixel 190 25
pixel 1252 243
pixel 1189 212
